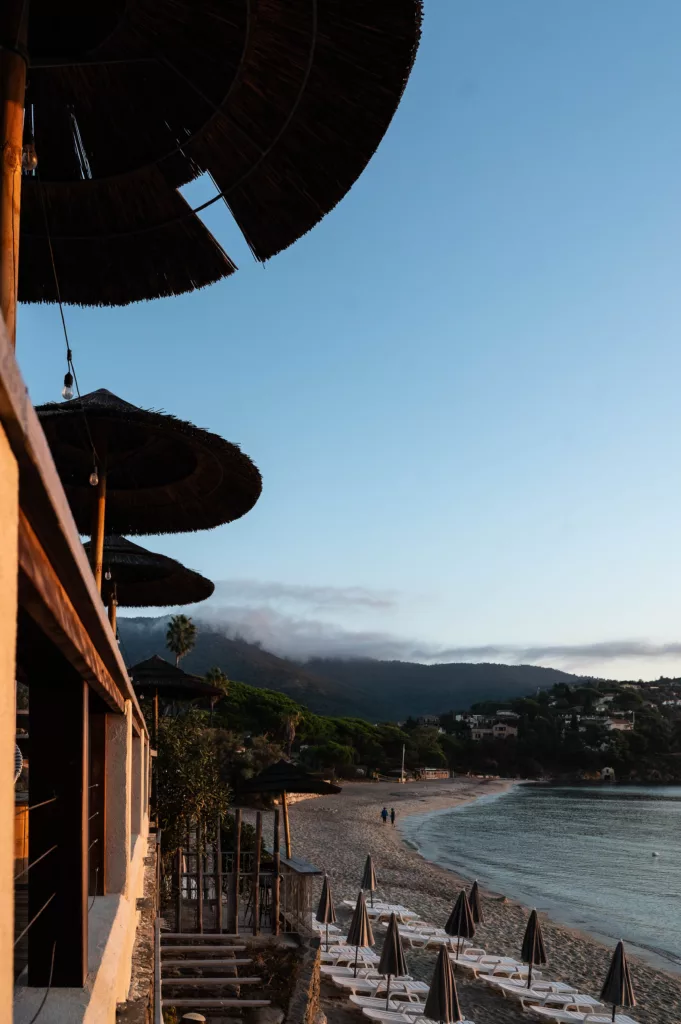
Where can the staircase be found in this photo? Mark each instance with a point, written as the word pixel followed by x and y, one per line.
pixel 202 972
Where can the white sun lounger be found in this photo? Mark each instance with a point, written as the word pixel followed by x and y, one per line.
pixel 556 995
pixel 480 965
pixel 340 955
pixel 543 988
pixel 333 929
pixel 404 1002
pixel 333 971
pixel 570 1017
pixel 374 987
pixel 391 1017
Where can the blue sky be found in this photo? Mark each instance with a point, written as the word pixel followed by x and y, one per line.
pixel 462 387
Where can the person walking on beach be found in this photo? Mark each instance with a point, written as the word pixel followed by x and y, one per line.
pixel 392 816
pixel 384 815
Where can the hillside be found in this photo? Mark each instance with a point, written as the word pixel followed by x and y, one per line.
pixel 375 690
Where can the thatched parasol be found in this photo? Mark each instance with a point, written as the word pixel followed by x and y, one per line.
pixel 392 963
pixel 153 473
pixel 156 677
pixel 137 578
pixel 533 949
pixel 282 104
pixel 285 777
pixel 617 987
pixel 326 912
pixel 460 923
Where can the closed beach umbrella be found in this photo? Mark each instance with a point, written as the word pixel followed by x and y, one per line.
pixel 369 878
pixel 460 923
pixel 442 1003
pixel 326 913
pixel 533 951
pixel 476 903
pixel 617 988
pixel 392 962
pixel 359 932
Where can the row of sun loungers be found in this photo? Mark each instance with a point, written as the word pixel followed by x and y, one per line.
pixel 551 1001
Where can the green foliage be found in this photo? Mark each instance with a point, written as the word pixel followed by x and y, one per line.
pixel 181 636
pixel 190 786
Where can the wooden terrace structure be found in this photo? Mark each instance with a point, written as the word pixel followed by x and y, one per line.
pixel 87 749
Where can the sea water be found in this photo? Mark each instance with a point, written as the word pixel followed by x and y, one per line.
pixel 583 854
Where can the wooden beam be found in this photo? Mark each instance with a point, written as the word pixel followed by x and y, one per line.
pixel 58 889
pixel 44 504
pixel 256 873
pixel 287 827
pixel 13 25
pixel 47 602
pixel 276 874
pixel 236 867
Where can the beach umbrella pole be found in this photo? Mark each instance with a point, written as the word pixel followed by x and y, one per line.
pixel 356 958
pixel 327 938
pixel 387 994
pixel 529 976
pixel 13 30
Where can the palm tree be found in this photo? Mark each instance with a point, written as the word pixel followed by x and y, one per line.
pixel 216 677
pixel 180 636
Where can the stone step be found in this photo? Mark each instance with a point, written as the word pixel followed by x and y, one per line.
pixel 206 963
pixel 210 981
pixel 208 1004
pixel 202 949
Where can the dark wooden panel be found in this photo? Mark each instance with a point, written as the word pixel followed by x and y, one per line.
pixel 58 900
pixel 97 801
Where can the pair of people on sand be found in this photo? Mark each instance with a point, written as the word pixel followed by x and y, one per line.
pixel 384 815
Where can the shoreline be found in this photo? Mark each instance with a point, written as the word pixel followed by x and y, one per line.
pixel 553 912
pixel 336 833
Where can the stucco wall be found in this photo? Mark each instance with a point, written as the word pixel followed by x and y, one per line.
pixel 9 527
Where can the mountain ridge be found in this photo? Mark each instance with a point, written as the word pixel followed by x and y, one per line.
pixel 357 687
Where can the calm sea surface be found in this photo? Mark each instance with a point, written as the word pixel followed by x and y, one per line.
pixel 582 854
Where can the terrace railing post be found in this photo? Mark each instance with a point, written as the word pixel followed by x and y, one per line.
pixel 256 873
pixel 58 884
pixel 179 879
pixel 199 877
pixel 276 877
pixel 234 925
pixel 218 873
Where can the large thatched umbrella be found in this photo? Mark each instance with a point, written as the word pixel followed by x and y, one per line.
pixel 139 472
pixel 285 777
pixel 156 678
pixel 137 578
pixel 282 105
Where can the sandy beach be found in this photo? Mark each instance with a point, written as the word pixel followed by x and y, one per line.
pixel 336 833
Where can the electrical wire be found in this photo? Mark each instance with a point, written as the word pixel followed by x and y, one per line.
pixel 47 990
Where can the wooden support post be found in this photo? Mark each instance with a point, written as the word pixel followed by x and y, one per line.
pixel 256 873
pixel 234 927
pixel 97 804
pixel 58 885
pixel 113 607
pixel 276 881
pixel 199 877
pixel 218 873
pixel 98 523
pixel 287 827
pixel 179 879
pixel 13 27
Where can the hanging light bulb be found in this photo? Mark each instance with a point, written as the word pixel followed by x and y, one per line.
pixel 94 477
pixel 67 390
pixel 29 157
pixel 107 574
